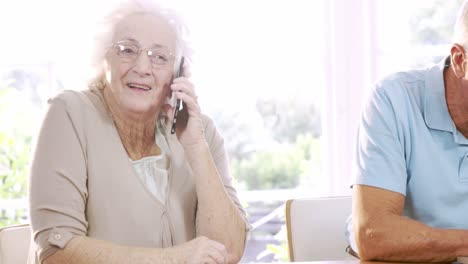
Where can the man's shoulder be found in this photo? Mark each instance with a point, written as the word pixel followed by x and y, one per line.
pixel 403 79
pixel 403 85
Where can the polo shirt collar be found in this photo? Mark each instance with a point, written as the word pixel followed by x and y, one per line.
pixel 436 112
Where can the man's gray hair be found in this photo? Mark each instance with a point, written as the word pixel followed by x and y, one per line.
pixel 460 35
pixel 104 35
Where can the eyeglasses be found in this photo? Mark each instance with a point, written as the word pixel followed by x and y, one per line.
pixel 129 51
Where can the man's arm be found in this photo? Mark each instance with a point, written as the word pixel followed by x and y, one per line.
pixel 383 233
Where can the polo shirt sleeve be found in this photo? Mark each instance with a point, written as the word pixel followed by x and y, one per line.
pixel 380 156
pixel 58 188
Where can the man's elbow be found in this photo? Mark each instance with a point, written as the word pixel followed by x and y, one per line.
pixel 369 243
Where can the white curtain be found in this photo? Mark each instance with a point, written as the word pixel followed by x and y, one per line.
pixel 350 66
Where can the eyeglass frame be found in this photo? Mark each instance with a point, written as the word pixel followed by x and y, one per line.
pixel 140 50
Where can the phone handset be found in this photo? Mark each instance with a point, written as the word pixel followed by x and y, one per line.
pixel 179 104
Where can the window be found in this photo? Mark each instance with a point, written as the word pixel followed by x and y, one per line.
pixel 422 33
pixel 283 80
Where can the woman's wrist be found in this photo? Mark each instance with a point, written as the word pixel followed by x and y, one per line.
pixel 171 255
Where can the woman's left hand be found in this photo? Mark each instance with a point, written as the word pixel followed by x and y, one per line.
pixel 193 132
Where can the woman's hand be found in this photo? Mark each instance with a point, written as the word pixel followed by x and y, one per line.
pixel 189 128
pixel 201 250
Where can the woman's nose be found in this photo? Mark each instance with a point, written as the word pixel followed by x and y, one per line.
pixel 142 64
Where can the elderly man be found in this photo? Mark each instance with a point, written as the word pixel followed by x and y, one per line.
pixel 410 192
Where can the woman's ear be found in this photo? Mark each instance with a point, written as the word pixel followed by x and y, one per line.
pixel 458 60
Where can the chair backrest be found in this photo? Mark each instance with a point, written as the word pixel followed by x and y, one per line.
pixel 316 228
pixel 14 244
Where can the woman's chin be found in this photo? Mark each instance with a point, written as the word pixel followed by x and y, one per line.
pixel 140 104
pixel 139 107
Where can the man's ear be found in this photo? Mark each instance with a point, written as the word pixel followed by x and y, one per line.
pixel 458 59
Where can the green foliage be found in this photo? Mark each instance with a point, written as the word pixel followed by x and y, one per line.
pixel 268 170
pixel 278 168
pixel 14 158
pixel 434 23
pixel 15 145
pixel 289 118
pixel 13 217
pixel 279 251
pixel 239 131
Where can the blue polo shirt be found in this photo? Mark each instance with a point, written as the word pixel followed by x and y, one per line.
pixel 408 143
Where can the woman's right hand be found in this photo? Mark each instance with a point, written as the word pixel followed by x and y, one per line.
pixel 202 250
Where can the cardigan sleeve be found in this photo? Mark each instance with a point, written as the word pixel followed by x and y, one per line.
pixel 221 160
pixel 58 179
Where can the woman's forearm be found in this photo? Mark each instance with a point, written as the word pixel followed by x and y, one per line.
pixel 85 250
pixel 218 218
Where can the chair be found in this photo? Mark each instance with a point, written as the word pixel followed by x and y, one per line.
pixel 14 244
pixel 316 228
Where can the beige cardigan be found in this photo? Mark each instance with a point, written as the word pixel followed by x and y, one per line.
pixel 83 184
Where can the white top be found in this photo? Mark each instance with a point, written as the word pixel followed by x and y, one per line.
pixel 153 170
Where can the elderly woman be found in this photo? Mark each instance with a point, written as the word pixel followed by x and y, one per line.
pixel 109 182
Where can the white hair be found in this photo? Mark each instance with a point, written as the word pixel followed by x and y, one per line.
pixel 106 28
pixel 460 35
